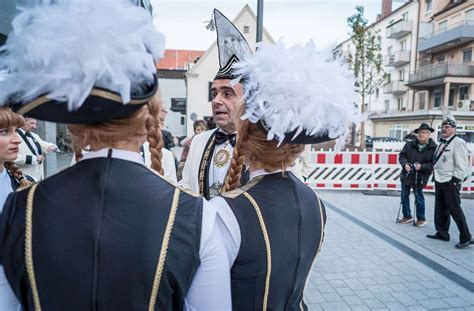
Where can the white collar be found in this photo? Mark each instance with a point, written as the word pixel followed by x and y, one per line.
pixel 448 138
pixel 261 172
pixel 222 131
pixel 116 154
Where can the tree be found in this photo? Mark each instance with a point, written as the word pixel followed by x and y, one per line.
pixel 366 62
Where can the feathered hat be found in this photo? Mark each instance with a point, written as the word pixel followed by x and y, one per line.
pixel 231 45
pixel 298 95
pixel 80 61
pixel 448 118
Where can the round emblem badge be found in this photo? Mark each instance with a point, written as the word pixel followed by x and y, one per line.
pixel 221 158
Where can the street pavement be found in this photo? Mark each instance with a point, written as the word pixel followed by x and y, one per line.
pixel 368 262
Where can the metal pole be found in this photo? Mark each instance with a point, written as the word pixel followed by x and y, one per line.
pixel 259 20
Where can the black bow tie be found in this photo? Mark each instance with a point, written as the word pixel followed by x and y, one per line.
pixel 222 138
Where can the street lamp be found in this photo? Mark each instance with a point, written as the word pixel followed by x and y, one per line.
pixel 259 20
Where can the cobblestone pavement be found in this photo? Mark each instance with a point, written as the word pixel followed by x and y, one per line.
pixel 370 263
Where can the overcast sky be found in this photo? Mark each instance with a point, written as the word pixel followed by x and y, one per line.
pixel 293 21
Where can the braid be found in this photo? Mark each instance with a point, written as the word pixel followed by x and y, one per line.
pixel 233 177
pixel 17 173
pixel 77 148
pixel 155 138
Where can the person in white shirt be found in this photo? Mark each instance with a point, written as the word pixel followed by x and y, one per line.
pixel 32 150
pixel 451 168
pixel 11 178
pixel 109 233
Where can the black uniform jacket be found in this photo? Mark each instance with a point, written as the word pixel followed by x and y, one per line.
pixel 94 237
pixel 281 224
pixel 411 155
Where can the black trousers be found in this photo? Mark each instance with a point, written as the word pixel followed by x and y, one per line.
pixel 448 203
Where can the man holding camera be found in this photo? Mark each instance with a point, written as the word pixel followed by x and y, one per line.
pixel 416 161
pixel 451 168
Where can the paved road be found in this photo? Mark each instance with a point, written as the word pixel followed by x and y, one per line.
pixel 369 262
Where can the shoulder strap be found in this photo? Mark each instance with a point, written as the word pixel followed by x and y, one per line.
pixel 443 149
pixel 204 166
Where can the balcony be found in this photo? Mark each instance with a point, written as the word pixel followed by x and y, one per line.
pixel 434 75
pixel 399 58
pixel 395 88
pixel 452 36
pixel 399 29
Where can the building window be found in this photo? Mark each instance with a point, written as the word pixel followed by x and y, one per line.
pixel 467 56
pixel 401 107
pixel 246 29
pixel 464 92
pixel 428 6
pixel 421 100
pixel 443 26
pixel 376 93
pixel 451 97
pixel 405 16
pixel 402 74
pixel 437 96
pixel 403 45
pixel 440 60
pixel 470 15
pixel 387 104
pixel 399 131
pixel 209 96
pixel 389 51
pixel 388 77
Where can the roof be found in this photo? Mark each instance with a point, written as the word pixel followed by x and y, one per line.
pixel 449 6
pixel 178 59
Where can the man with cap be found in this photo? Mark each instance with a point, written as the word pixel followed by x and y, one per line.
pixel 416 161
pixel 210 154
pixel 451 168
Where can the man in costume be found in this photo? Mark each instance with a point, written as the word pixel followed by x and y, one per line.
pixel 451 168
pixel 210 154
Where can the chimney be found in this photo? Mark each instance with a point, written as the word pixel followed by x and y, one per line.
pixel 386 8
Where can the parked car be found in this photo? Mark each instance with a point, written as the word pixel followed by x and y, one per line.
pixel 369 141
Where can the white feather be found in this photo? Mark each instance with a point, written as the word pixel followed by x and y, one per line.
pixel 298 88
pixel 65 49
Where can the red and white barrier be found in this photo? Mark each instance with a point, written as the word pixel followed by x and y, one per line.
pixel 361 170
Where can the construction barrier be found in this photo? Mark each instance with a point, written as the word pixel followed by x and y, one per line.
pixel 361 170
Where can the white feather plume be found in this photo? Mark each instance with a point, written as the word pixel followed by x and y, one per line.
pixel 65 49
pixel 298 88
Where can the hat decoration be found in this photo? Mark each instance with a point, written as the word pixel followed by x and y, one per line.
pixel 231 45
pixel 297 94
pixel 448 118
pixel 80 61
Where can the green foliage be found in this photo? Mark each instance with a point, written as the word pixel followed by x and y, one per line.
pixel 366 62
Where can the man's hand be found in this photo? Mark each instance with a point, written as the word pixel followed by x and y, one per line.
pixel 52 148
pixel 407 168
pixel 417 166
pixel 39 159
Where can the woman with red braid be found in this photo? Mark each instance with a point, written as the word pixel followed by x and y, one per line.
pixel 107 233
pixel 274 224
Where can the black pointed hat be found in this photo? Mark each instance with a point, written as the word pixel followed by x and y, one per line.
pixel 231 45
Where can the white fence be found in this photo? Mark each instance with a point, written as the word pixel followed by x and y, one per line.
pixel 398 145
pixel 362 170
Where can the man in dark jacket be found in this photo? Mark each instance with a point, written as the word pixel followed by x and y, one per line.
pixel 416 160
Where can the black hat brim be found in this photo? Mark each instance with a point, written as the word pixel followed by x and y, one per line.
pixel 100 106
pixel 424 128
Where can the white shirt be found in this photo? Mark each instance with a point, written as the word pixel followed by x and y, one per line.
pixel 210 288
pixel 8 301
pixel 219 166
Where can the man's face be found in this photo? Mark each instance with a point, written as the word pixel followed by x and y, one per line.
pixel 424 135
pixel 447 130
pixel 226 99
pixel 30 124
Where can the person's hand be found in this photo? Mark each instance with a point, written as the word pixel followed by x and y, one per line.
pixel 407 168
pixel 418 166
pixel 39 159
pixel 52 148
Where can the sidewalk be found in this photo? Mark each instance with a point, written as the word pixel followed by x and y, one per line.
pixel 369 262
